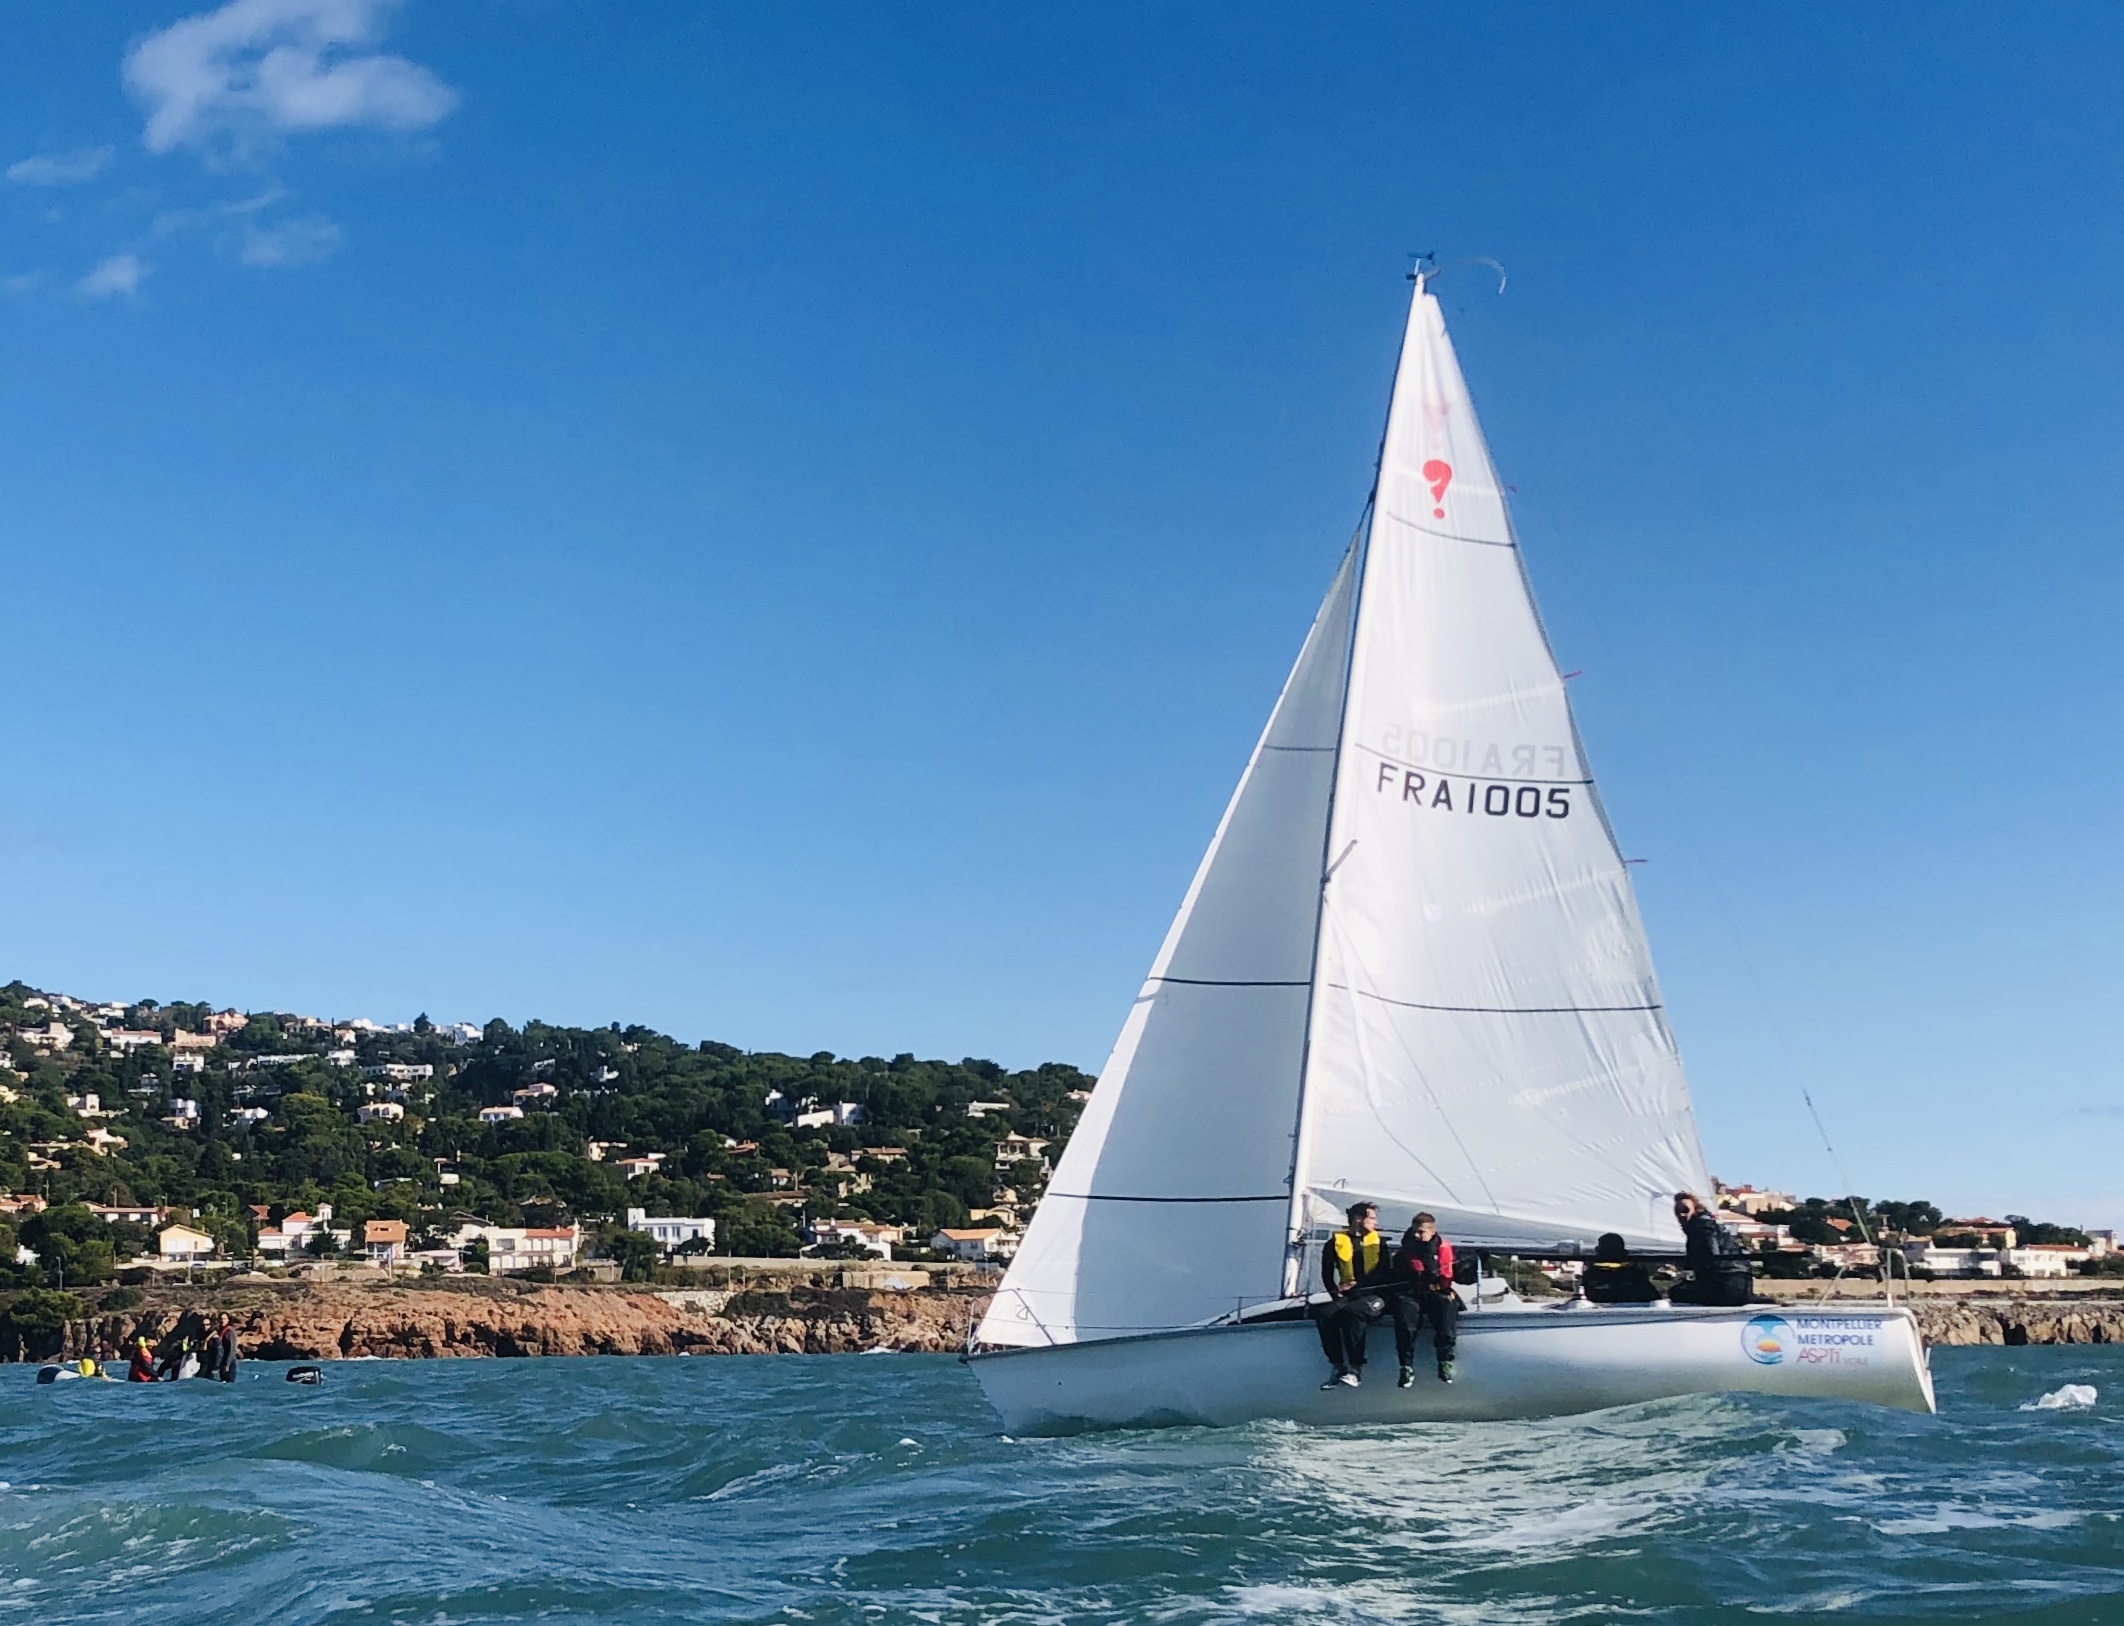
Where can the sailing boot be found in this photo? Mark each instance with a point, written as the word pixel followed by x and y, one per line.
pixel 1407 1380
pixel 1335 1378
pixel 1349 1379
pixel 1445 1371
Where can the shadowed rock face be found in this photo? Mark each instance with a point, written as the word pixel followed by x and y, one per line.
pixel 2022 1321
pixel 330 1322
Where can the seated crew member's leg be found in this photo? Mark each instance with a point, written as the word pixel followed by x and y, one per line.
pixel 1442 1310
pixel 1408 1320
pixel 1687 1292
pixel 1365 1308
pixel 1327 1318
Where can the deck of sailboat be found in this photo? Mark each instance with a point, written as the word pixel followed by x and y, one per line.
pixel 1514 1363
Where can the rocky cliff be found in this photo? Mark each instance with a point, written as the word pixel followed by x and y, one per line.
pixel 320 1322
pixel 2021 1321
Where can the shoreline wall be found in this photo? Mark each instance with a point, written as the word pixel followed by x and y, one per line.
pixel 340 1322
pixel 311 1321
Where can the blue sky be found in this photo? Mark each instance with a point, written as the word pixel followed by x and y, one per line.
pixel 783 523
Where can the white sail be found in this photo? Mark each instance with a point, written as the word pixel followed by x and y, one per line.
pixel 1171 1202
pixel 1487 1039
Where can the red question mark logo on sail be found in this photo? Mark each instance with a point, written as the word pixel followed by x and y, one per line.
pixel 1440 475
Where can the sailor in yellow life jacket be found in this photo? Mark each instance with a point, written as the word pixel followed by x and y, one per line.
pixel 1355 1267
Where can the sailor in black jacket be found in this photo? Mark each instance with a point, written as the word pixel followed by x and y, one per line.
pixel 1718 1270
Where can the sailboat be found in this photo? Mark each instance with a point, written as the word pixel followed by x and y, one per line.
pixel 1409 970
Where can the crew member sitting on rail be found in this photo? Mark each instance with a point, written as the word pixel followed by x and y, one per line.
pixel 1356 1267
pixel 1718 1270
pixel 1614 1277
pixel 1423 1278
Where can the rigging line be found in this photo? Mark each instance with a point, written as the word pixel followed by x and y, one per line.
pixel 1850 1191
pixel 1448 536
pixel 1507 1010
pixel 1851 1196
pixel 1356 560
pixel 1115 1197
pixel 1231 982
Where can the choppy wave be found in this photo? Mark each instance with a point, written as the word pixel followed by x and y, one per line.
pixel 835 1489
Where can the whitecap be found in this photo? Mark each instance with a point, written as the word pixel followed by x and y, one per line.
pixel 2072 1397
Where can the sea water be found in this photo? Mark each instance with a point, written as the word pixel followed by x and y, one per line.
pixel 867 1489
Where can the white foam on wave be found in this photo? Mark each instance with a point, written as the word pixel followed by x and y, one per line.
pixel 2072 1397
pixel 1813 1603
pixel 1566 1526
pixel 1819 1441
pixel 1953 1516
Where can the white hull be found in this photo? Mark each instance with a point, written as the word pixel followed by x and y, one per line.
pixel 1512 1363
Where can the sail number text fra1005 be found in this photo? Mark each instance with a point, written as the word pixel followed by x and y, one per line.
pixel 1470 796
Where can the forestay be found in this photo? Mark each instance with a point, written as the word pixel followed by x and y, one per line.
pixel 1487 1038
pixel 1170 1203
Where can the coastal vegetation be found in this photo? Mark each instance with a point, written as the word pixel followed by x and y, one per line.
pixel 239 1119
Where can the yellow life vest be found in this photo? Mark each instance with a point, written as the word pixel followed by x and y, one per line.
pixel 1357 1257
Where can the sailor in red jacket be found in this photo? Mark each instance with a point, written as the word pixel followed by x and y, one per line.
pixel 1423 1279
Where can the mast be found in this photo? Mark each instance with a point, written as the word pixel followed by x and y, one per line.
pixel 1301 1138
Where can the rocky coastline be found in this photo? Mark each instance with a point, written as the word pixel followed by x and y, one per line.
pixel 822 1315
pixel 476 1316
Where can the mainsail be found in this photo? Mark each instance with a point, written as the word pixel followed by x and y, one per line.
pixel 1410 967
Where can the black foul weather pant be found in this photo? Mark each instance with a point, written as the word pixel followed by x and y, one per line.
pixel 1412 1310
pixel 1343 1325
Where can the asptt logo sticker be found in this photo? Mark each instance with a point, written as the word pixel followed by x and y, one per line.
pixel 1812 1340
pixel 1765 1338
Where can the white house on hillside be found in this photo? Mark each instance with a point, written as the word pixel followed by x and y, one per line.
pixel 976 1247
pixel 879 1239
pixel 669 1231
pixel 181 1244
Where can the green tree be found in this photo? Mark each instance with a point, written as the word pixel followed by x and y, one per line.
pixel 637 1255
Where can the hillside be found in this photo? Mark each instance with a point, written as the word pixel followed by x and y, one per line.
pixel 229 1114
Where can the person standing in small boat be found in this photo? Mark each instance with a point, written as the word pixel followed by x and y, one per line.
pixel 1356 1267
pixel 1423 1282
pixel 1718 1270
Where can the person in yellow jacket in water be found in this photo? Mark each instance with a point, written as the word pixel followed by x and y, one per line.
pixel 1356 1268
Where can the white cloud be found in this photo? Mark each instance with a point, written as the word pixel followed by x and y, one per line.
pixel 120 275
pixel 293 242
pixel 25 283
pixel 59 168
pixel 257 68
